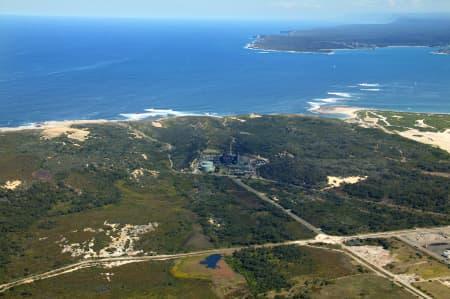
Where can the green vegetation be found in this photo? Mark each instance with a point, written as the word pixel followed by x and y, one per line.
pixel 367 286
pixel 231 216
pixel 123 174
pixel 337 213
pixel 425 31
pixel 402 121
pixel 410 261
pixel 139 280
pixel 433 288
pixel 280 269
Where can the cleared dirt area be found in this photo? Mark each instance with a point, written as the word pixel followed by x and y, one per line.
pixel 434 288
pixel 335 182
pixel 376 255
pixel 12 185
pixel 439 139
pixel 122 239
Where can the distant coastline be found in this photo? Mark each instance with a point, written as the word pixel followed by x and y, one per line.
pixel 441 52
pixel 432 33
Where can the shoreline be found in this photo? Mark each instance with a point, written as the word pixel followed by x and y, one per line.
pixel 55 124
pixel 251 46
pixel 347 113
pixel 52 129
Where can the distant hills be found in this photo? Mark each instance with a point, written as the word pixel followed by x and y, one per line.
pixel 411 32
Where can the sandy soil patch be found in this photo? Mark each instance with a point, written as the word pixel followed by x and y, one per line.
pixel 137 173
pixel 323 238
pixel 349 112
pixel 252 115
pixel 238 119
pixel 376 255
pixel 157 124
pixel 421 124
pixel 214 222
pixel 72 133
pixel 223 270
pixel 122 241
pixel 12 185
pixel 439 139
pixel 407 278
pixel 109 265
pixel 144 156
pixel 371 120
pixel 335 182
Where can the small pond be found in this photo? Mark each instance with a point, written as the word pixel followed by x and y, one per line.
pixel 211 261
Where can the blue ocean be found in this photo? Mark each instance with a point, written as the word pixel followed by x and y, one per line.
pixel 75 68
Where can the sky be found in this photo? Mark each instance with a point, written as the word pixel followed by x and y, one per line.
pixel 242 9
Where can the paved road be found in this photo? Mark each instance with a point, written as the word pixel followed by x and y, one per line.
pixel 88 263
pixel 386 274
pixel 321 237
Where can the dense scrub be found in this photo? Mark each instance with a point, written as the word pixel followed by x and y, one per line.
pixel 281 268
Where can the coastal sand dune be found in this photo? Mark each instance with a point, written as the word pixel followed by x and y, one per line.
pixel 437 139
pixel 335 182
pixel 53 129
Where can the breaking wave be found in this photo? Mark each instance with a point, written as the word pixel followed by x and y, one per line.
pixel 340 94
pixel 369 85
pixel 152 113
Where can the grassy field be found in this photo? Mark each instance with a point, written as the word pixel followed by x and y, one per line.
pixel 434 288
pixel 410 261
pixel 226 283
pixel 309 272
pixel 91 184
pixel 139 280
pixel 337 213
pixel 73 192
pixel 306 272
pixel 366 286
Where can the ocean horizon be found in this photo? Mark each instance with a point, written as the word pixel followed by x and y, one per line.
pixel 55 69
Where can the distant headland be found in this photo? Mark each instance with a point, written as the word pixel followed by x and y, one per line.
pixel 407 32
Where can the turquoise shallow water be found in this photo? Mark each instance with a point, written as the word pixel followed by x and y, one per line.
pixel 61 69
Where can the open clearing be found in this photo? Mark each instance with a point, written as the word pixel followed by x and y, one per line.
pixel 434 288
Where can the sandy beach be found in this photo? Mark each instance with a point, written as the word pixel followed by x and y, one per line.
pixel 53 129
pixel 54 125
pixel 348 112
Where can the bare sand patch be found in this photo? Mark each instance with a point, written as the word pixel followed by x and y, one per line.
pixel 53 129
pixel 376 255
pixel 137 173
pixel 335 182
pixel 12 185
pixel 122 241
pixel 157 124
pixel 323 238
pixel 349 112
pixel 252 115
pixel 237 119
pixel 72 133
pixel 439 139
pixel 421 124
